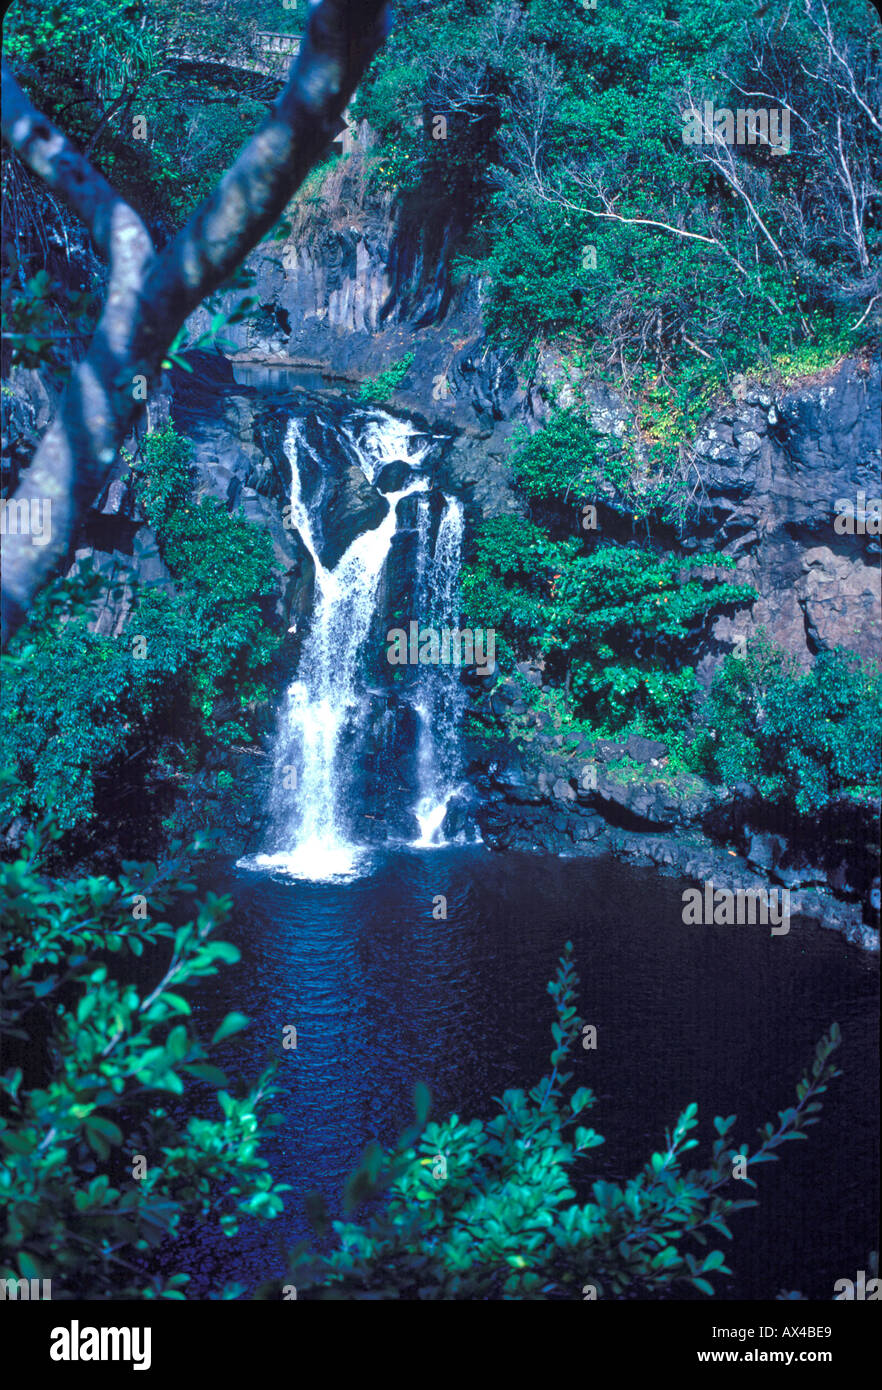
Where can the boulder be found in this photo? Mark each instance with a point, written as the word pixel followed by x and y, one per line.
pixel 607 752
pixel 352 506
pixel 643 750
pixel 393 477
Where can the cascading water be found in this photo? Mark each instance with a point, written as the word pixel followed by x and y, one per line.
pixel 328 704
pixel 440 696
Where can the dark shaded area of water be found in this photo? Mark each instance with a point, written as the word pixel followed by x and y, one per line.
pixel 383 995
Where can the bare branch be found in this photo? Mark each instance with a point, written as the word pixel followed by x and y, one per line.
pixel 856 326
pixel 57 161
pixel 149 297
pixel 850 85
pixel 79 447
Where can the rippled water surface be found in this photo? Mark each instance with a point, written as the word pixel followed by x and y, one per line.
pixel 383 995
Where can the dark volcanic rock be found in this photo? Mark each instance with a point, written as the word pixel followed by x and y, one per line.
pixel 392 477
pixel 351 506
pixel 607 752
pixel 643 750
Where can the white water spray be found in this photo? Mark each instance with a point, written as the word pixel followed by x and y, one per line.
pixel 441 696
pixel 326 702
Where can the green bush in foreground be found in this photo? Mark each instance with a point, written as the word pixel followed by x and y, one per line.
pixel 477 1210
pixel 95 1068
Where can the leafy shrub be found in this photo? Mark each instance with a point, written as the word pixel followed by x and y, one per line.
pixel 560 459
pixel 78 708
pixel 569 460
pixel 95 1061
pixel 616 626
pixel 380 388
pixel 76 703
pixel 567 188
pixel 165 478
pixel 225 572
pixel 802 737
pixel 496 1209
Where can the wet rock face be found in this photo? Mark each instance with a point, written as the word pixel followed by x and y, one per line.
pixel 775 465
pixel 27 408
pixel 393 476
pixel 350 506
pixel 542 802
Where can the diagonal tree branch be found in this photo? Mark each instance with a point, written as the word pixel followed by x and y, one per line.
pixel 57 161
pixel 150 296
pixel 81 444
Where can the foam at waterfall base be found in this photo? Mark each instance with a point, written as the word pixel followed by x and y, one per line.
pixel 315 861
pixel 430 816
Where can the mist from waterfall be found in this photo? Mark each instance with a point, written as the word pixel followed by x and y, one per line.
pixel 327 704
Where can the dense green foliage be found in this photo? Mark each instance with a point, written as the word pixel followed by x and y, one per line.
pixel 100 64
pixel 83 710
pixel 614 625
pixel 497 1209
pixel 800 737
pixel 75 705
pixel 593 220
pixel 100 1067
pixel 381 387
pixel 225 571
pixel 568 460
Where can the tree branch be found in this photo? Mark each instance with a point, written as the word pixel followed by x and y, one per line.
pixel 57 161
pixel 77 451
pixel 150 297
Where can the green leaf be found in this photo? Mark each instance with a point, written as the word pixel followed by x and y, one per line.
pixel 205 1071
pixel 29 1267
pixel 233 1023
pixel 704 1286
pixel 105 1127
pixel 177 1002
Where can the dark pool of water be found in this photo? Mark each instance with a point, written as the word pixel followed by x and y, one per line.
pixel 383 995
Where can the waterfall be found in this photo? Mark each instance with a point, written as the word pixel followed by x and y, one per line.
pixel 322 724
pixel 440 696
